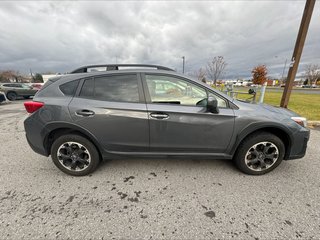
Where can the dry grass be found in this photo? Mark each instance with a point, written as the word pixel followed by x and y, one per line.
pixel 306 105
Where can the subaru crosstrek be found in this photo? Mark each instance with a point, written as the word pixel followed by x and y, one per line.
pixel 145 110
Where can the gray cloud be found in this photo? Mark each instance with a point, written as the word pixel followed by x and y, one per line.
pixel 61 36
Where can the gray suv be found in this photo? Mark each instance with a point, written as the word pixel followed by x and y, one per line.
pixel 15 90
pixel 146 110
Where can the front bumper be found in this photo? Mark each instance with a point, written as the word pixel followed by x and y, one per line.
pixel 299 145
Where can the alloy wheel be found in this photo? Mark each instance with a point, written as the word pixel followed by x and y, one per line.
pixel 74 156
pixel 261 156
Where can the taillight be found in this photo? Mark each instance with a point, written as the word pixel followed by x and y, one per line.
pixel 31 107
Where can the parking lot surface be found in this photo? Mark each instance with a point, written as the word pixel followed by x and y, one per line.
pixel 152 198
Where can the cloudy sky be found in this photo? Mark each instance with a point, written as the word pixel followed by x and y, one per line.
pixel 61 36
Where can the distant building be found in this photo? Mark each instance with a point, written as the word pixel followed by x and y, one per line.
pixel 47 76
pixel 272 82
pixel 240 82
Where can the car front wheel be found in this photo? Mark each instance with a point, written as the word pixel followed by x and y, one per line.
pixel 259 153
pixel 74 155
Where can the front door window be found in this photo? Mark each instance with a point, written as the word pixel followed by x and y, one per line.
pixel 170 90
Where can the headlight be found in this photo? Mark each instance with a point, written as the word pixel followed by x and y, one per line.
pixel 300 120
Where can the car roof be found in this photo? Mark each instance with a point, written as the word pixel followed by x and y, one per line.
pixel 111 67
pixel 98 73
pixel 74 76
pixel 11 83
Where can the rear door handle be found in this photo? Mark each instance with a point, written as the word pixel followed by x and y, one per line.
pixel 85 112
pixel 159 115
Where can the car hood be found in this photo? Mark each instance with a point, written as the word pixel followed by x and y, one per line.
pixel 280 110
pixel 266 110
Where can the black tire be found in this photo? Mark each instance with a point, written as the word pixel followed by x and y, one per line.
pixel 88 145
pixel 11 96
pixel 248 144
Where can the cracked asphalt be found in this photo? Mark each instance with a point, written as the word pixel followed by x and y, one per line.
pixel 152 198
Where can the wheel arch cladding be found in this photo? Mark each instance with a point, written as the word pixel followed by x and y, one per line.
pixel 11 91
pixel 57 131
pixel 279 132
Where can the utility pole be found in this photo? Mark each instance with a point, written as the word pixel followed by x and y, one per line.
pixel 284 68
pixel 32 79
pixel 183 62
pixel 303 30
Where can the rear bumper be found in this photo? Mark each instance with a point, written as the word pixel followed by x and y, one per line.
pixel 299 146
pixel 34 136
pixel 37 149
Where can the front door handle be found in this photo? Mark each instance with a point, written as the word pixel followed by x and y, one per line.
pixel 85 112
pixel 159 115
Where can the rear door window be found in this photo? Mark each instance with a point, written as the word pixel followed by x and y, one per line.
pixel 114 88
pixel 87 90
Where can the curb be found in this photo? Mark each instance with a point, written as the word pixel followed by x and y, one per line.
pixel 313 124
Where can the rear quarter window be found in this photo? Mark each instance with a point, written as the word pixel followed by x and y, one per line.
pixel 69 88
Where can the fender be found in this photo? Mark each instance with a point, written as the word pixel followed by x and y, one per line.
pixel 256 126
pixel 50 127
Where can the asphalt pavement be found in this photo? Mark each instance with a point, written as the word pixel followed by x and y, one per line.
pixel 152 198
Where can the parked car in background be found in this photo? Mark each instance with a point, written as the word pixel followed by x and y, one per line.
pixel 309 86
pixel 2 97
pixel 15 90
pixel 84 117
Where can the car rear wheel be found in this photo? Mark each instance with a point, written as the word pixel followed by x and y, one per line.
pixel 11 96
pixel 259 153
pixel 75 155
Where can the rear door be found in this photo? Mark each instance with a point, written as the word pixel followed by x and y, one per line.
pixel 113 109
pixel 26 90
pixel 179 121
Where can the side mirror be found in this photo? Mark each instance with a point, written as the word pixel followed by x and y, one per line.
pixel 212 105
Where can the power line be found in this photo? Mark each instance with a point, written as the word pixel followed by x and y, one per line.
pixel 183 62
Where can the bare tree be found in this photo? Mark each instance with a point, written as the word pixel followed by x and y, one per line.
pixel 8 75
pixel 12 76
pixel 312 73
pixel 200 74
pixel 215 68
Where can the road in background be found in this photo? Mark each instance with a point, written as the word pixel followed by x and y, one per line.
pixel 152 198
pixel 278 89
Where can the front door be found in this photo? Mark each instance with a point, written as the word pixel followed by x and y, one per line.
pixel 179 123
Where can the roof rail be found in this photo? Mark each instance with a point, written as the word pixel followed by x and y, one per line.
pixel 111 67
